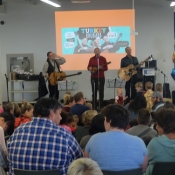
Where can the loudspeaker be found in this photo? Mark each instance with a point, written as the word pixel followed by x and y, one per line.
pixel 148 78
pixel 166 90
pixel 152 63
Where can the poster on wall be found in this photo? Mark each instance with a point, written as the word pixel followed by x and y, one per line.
pixel 83 40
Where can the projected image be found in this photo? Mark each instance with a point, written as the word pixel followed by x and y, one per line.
pixel 83 40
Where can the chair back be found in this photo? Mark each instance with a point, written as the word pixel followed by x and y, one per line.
pixel 137 171
pixel 37 172
pixel 164 168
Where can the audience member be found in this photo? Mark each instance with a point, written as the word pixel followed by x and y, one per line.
pixel 159 88
pixel 82 131
pixel 148 94
pixel 115 150
pixel 88 104
pixel 158 102
pixel 76 120
pixel 139 88
pixel 27 114
pixel 6 120
pixel 84 166
pixel 43 141
pixel 1 109
pixel 97 125
pixel 63 121
pixel 68 102
pixel 17 110
pixel 142 129
pixel 70 122
pixel 168 105
pixel 135 105
pixel 161 148
pixel 9 108
pixel 3 161
pixel 79 108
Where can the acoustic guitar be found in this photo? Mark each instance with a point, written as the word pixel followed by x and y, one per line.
pixel 95 69
pixel 127 72
pixel 59 76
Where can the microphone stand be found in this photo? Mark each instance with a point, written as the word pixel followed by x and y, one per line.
pixel 164 86
pixel 7 88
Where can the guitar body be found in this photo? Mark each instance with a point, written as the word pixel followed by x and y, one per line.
pixel 127 72
pixel 55 77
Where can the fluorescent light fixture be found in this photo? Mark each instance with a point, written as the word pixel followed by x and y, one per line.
pixel 51 3
pixel 80 1
pixel 172 4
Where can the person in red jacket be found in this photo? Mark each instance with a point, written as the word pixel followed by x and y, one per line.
pixel 97 65
pixel 27 114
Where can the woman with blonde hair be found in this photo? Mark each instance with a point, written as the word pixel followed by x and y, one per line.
pixel 68 102
pixel 87 117
pixel 27 114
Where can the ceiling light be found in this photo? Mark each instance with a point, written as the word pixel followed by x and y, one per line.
pixel 51 3
pixel 172 4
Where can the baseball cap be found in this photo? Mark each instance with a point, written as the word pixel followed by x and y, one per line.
pixel 157 94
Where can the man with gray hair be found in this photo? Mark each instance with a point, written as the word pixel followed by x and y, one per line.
pixel 84 166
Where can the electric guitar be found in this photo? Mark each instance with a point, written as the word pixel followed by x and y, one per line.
pixel 59 76
pixel 95 69
pixel 127 72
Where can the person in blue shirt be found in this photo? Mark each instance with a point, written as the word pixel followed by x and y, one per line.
pixel 41 144
pixel 79 108
pixel 115 150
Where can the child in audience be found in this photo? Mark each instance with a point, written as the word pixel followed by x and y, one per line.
pixel 76 120
pixel 139 87
pixel 27 114
pixel 119 98
pixel 159 88
pixel 148 94
pixel 70 122
pixel 88 104
pixel 63 121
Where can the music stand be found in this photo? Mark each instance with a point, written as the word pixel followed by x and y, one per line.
pixel 115 83
pixel 67 85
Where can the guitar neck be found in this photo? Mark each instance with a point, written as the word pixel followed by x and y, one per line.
pixel 69 75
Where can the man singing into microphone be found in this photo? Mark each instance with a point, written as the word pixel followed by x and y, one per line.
pixel 97 65
pixel 52 65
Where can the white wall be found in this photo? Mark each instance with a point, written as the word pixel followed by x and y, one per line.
pixel 30 29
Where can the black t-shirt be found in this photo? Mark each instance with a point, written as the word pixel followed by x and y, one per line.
pixel 127 61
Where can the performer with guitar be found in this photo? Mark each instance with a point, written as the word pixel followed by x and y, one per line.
pixel 97 65
pixel 50 67
pixel 130 84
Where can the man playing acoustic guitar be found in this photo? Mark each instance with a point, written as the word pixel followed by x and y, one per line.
pixel 130 85
pixel 97 76
pixel 51 66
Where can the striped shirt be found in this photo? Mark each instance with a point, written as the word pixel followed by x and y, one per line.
pixel 42 145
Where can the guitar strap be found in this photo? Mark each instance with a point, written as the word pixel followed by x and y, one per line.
pixel 58 66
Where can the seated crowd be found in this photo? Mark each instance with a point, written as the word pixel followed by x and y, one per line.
pixel 120 137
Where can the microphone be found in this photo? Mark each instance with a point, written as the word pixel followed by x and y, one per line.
pixel 160 71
